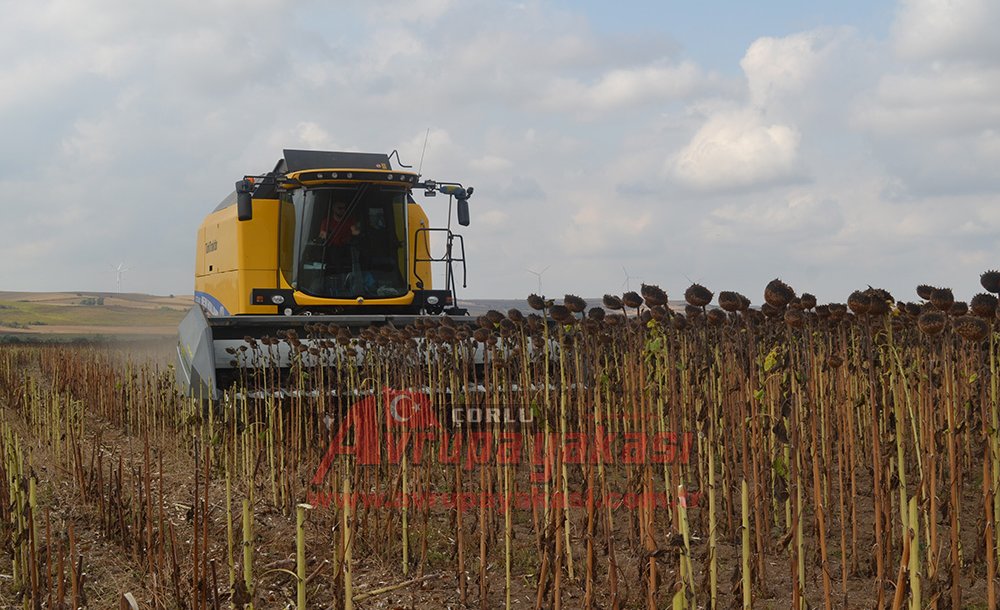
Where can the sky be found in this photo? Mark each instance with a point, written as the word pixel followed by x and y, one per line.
pixel 835 145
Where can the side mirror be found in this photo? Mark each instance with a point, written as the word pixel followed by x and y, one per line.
pixel 462 210
pixel 244 200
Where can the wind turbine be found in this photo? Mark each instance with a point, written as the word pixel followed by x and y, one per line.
pixel 539 274
pixel 120 270
pixel 626 284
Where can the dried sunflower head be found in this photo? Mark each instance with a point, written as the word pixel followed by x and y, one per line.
pixel 632 299
pixel 448 333
pixel 729 301
pixel 984 305
pixel 771 311
pixel 574 303
pixel 931 322
pixel 653 295
pixel 881 294
pixel 795 318
pixel 942 299
pixel 972 328
pixel 560 313
pixel 612 302
pixel 698 295
pixel 715 317
pixel 778 294
pixel 494 316
pixel 859 302
pixel 924 291
pixel 659 312
pixel 876 305
pixel 990 281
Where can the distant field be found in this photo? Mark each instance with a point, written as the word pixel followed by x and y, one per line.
pixel 85 313
pixel 71 315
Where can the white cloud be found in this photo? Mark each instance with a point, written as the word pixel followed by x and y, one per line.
pixel 779 67
pixel 936 100
pixel 947 29
pixel 738 149
pixel 493 218
pixel 801 215
pixel 931 118
pixel 589 149
pixel 624 87
pixel 91 143
pixel 422 11
pixel 491 163
pixel 596 229
pixel 759 143
pixel 808 75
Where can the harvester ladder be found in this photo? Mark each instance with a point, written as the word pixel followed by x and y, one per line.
pixel 449 258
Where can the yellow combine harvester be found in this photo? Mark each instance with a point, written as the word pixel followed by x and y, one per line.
pixel 326 237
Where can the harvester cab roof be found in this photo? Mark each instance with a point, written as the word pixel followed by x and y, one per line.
pixel 311 169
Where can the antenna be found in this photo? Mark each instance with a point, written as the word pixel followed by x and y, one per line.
pixel 420 168
pixel 119 272
pixel 539 275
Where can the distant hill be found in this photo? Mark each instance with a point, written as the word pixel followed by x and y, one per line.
pixel 90 313
pixel 478 307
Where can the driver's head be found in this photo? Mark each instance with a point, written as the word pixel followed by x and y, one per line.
pixel 339 208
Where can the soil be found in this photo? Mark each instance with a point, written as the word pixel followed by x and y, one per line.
pixel 112 568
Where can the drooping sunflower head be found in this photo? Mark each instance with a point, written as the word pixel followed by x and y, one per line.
pixel 729 301
pixel 698 295
pixel 984 305
pixel 942 299
pixel 990 281
pixel 653 295
pixel 778 294
pixel 612 302
pixel 859 302
pixel 632 299
pixel 931 322
pixel 972 328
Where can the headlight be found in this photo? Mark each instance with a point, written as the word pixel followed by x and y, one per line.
pixel 277 299
pixel 432 300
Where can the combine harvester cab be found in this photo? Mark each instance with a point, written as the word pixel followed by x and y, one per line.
pixel 326 240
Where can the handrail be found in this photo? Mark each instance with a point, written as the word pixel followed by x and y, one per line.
pixel 448 258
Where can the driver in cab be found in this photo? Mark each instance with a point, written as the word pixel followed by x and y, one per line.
pixel 339 226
